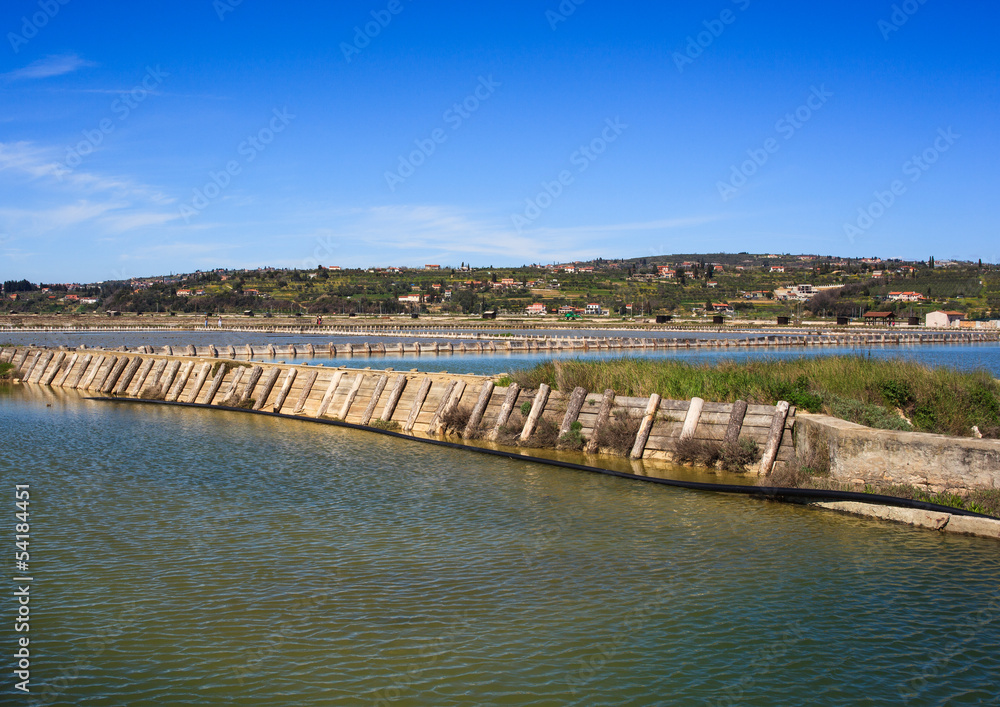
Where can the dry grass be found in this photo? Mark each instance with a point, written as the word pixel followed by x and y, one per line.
pixel 456 419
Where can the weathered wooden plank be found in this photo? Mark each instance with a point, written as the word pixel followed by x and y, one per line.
pixel 537 408
pixel 39 370
pixel 418 402
pixel 509 400
pixel 366 417
pixel 646 426
pixel 307 386
pixel 603 415
pixel 435 420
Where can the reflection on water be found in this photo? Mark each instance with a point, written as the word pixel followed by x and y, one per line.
pixel 188 557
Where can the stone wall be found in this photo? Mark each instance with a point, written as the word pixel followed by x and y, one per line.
pixel 932 462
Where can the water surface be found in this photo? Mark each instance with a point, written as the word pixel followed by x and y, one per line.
pixel 190 557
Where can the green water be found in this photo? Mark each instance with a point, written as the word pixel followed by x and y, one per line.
pixel 191 557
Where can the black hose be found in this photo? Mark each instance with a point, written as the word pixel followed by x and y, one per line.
pixel 772 492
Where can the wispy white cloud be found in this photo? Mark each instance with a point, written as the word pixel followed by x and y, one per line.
pixel 52 65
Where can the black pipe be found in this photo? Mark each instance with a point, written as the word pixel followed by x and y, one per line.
pixel 773 492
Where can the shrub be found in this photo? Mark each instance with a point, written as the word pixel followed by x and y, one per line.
pixel 456 419
pixel 696 451
pixel 737 457
pixel 6 371
pixel 546 434
pixel 618 435
pixel 572 439
pixel 525 408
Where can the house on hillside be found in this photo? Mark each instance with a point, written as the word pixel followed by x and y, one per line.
pixel 536 308
pixel 593 308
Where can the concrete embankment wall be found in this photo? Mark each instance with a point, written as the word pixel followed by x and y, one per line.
pixel 862 455
pixel 417 402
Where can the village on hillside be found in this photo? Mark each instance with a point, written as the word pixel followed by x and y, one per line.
pixel 732 287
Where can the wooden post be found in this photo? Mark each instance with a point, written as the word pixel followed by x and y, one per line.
pixel 114 374
pixel 61 381
pixel 418 402
pixel 445 399
pixel 155 379
pixel 266 387
pixel 199 383
pixel 513 390
pixel 351 394
pixel 143 374
pixel 603 415
pixel 190 350
pixel 307 387
pixel 537 408
pixel 366 417
pixel 774 438
pixel 128 374
pixel 230 352
pixel 286 387
pixel 53 369
pixel 255 374
pixel 271 351
pixel 485 393
pixel 576 400
pixel 229 399
pixel 291 350
pixel 174 379
pixel 249 351
pixel 31 366
pixel 88 381
pixel 692 417
pixel 646 427
pixel 38 367
pixel 216 383
pixel 212 351
pixel 735 422
pixel 393 401
pixel 331 390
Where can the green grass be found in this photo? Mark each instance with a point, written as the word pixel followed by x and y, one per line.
pixel 855 388
pixel 5 370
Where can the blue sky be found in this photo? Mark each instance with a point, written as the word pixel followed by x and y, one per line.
pixel 145 138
